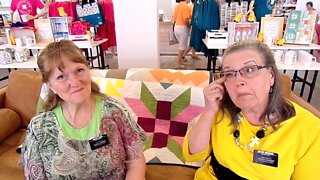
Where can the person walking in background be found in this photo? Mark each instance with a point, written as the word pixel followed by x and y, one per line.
pixel 181 18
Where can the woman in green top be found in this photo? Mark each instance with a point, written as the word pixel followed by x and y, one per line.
pixel 82 134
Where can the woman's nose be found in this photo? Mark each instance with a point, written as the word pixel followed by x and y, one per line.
pixel 239 80
pixel 73 78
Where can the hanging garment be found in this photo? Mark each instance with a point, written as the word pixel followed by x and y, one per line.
pixel 107 30
pixel 90 12
pixel 263 7
pixel 205 17
pixel 57 9
pixel 25 7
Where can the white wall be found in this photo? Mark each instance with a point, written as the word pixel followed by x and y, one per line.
pixel 167 6
pixel 137 33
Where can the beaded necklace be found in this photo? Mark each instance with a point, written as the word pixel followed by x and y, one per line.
pixel 255 140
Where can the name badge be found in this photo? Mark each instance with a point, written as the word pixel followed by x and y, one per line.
pixel 265 158
pixel 98 142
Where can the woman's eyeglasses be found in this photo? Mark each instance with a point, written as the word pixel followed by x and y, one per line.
pixel 246 72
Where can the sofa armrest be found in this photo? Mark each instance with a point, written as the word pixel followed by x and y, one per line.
pixel 2 96
pixel 169 171
pixel 9 122
pixel 297 99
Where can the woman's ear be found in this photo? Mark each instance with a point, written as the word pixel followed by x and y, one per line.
pixel 50 87
pixel 272 77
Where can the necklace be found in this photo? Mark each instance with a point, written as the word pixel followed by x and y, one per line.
pixel 80 144
pixel 255 140
pixel 73 120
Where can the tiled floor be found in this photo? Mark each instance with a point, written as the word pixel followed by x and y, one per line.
pixel 168 62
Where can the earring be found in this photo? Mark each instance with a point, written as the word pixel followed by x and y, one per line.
pixel 271 90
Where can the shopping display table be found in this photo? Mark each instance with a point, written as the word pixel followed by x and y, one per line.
pixel 87 47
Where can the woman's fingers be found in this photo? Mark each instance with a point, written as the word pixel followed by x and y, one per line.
pixel 213 94
pixel 216 87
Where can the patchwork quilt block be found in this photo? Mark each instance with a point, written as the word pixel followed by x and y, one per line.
pixel 164 110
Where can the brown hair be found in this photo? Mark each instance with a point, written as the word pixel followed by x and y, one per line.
pixel 310 3
pixel 278 106
pixel 51 57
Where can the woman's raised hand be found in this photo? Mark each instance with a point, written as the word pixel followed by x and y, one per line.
pixel 213 95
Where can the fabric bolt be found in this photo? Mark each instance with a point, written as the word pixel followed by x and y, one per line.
pixel 107 30
pixel 297 158
pixel 205 16
pixel 68 7
pixel 25 7
pixel 49 154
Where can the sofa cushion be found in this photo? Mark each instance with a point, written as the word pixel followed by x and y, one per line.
pixel 9 122
pixel 164 110
pixel 9 158
pixel 23 93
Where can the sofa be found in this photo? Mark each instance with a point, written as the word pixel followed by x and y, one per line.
pixel 20 101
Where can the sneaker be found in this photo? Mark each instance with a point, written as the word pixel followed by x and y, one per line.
pixel 185 62
pixel 195 57
pixel 180 66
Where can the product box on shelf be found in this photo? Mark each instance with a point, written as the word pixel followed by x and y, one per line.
pixel 60 27
pixel 84 39
pixel 80 32
pixel 272 28
pixel 43 30
pixel 300 27
pixel 242 31
pixel 3 37
pixel 20 36
pixel 217 36
pixel 52 29
pixel 229 10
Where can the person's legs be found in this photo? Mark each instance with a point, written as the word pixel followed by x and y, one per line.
pixel 181 33
pixel 194 55
pixel 181 57
pixel 186 52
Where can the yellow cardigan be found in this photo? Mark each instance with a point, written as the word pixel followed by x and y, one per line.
pixel 296 141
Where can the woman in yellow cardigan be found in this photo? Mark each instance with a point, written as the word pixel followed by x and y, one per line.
pixel 248 130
